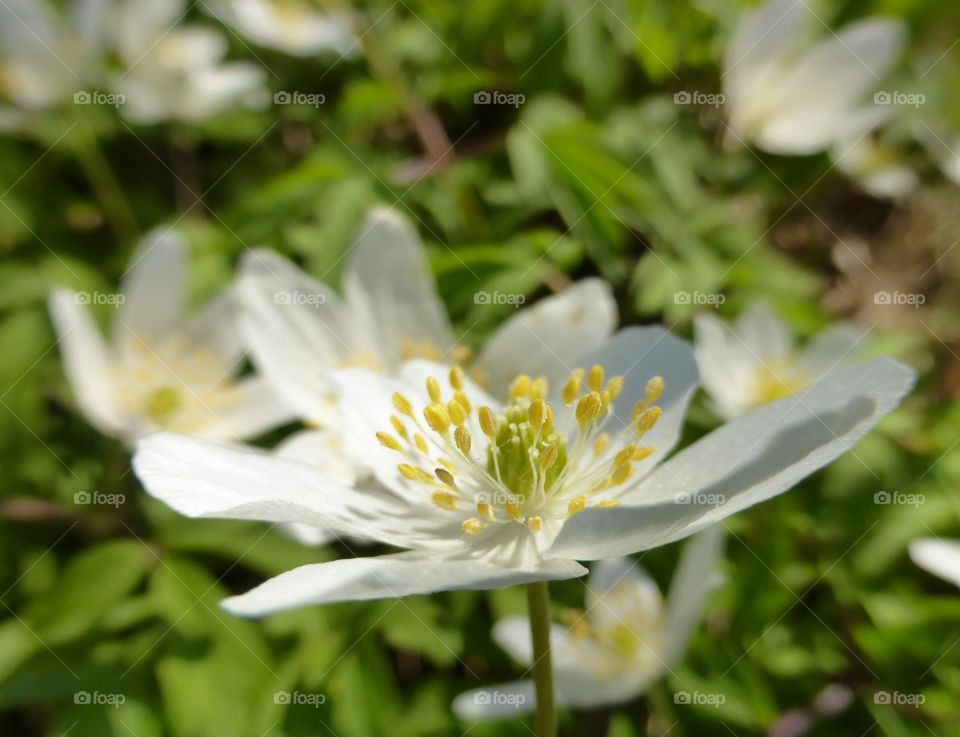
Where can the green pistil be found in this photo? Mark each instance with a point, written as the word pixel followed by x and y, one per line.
pixel 513 446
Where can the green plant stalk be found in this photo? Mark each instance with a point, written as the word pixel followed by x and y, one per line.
pixel 538 605
pixel 107 189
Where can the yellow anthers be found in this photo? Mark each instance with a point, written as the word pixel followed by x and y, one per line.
pixel 643 452
pixel 399 427
pixel 485 510
pixel 654 389
pixel 414 474
pixel 488 422
pixel 514 510
pixel 608 504
pixel 446 477
pixel 601 443
pixel 472 526
pixel 637 411
pixel 625 455
pixel 462 400
pixel 535 524
pixel 595 378
pixel 402 404
pixel 421 443
pixel 571 390
pixel 605 399
pixel 444 500
pixel 537 414
pixel 462 438
pixel 388 441
pixel 647 419
pixel 448 465
pixel 577 504
pixel 548 421
pixel 621 473
pixel 549 457
pixel 615 386
pixel 539 388
pixel 589 408
pixel 433 389
pixel 520 387
pixel 456 378
pixel 457 414
pixel 437 417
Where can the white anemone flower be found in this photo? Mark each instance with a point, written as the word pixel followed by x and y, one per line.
pixel 944 149
pixel 177 72
pixel 626 640
pixel 485 494
pixel 790 99
pixel 939 557
pixel 876 166
pixel 755 360
pixel 294 27
pixel 160 371
pixel 45 58
pixel 389 313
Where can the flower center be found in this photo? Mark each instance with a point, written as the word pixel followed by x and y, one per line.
pixel 528 471
pixel 777 381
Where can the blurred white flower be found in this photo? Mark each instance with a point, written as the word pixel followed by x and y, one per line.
pixel 787 98
pixel 390 312
pixel 46 58
pixel 294 27
pixel 174 72
pixel 159 371
pixel 877 167
pixel 485 494
pixel 939 557
pixel 627 638
pixel 755 360
pixel 944 149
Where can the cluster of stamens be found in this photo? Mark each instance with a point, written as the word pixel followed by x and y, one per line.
pixel 528 471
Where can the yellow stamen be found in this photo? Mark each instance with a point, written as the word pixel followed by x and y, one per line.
pixel 472 526
pixel 456 378
pixel 608 504
pixel 433 389
pixel 588 408
pixel 621 473
pixel 643 452
pixel 421 443
pixel 615 386
pixel 488 422
pixel 625 455
pixel 444 500
pixel 448 465
pixel 485 510
pixel 520 387
pixel 457 414
pixel 414 474
pixel 654 389
pixel 388 441
pixel 549 457
pixel 462 400
pixel 601 443
pixel 402 404
pixel 462 438
pixel 399 427
pixel 595 378
pixel 539 389
pixel 571 390
pixel 437 417
pixel 537 414
pixel 513 509
pixel 535 524
pixel 648 419
pixel 577 504
pixel 446 477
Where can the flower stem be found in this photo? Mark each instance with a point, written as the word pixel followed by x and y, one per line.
pixel 104 183
pixel 538 604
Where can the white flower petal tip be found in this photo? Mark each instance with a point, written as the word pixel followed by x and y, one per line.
pixel 503 701
pixel 385 577
pixel 939 557
pixel 748 460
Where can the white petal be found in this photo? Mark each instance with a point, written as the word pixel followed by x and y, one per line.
pixel 727 367
pixel 254 408
pixel 764 334
pixel 512 634
pixel 215 329
pixel 832 349
pixel 153 288
pixel 939 557
pixel 86 361
pixel 388 281
pixel 500 701
pixel 550 338
pixel 295 329
pixel 748 460
pixel 692 583
pixel 200 478
pixel 385 577
pixel 619 590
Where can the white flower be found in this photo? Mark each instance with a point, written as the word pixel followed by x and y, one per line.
pixel 47 58
pixel 293 26
pixel 627 638
pixel 877 167
pixel 754 361
pixel 787 99
pixel 178 73
pixel 158 371
pixel 944 149
pixel 484 494
pixel 940 557
pixel 390 312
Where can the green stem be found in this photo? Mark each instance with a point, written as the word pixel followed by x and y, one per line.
pixel 538 604
pixel 108 191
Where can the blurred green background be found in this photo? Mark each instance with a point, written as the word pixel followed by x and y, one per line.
pixel 596 172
